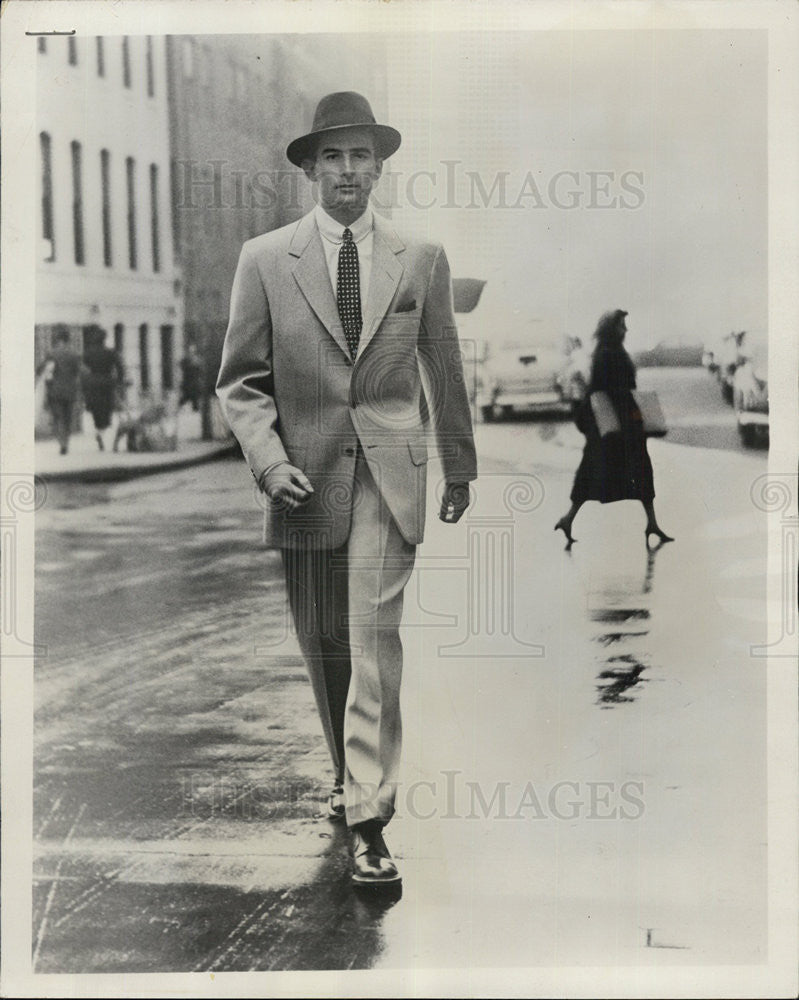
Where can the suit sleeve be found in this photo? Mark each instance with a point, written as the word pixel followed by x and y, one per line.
pixel 440 351
pixel 245 385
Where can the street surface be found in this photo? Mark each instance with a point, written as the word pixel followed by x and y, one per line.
pixel 584 773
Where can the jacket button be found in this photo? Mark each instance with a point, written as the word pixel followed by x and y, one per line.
pixel 349 451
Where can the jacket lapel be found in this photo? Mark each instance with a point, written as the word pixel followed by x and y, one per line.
pixel 311 274
pixel 384 279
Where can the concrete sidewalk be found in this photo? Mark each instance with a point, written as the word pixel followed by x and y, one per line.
pixel 87 464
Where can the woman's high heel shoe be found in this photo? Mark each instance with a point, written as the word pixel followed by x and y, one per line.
pixel 565 527
pixel 661 535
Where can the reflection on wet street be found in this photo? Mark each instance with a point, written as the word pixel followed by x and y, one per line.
pixel 621 672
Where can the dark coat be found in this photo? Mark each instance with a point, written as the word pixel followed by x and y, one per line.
pixel 616 467
pixel 103 371
pixel 63 385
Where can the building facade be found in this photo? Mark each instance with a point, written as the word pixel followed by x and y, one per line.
pixel 236 101
pixel 159 157
pixel 105 236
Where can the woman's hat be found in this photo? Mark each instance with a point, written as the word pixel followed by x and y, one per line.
pixel 343 110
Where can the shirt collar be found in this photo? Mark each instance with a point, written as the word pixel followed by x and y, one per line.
pixel 332 230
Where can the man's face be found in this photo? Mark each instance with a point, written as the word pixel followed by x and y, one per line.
pixel 346 169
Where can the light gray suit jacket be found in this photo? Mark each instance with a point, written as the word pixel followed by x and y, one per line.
pixel 289 389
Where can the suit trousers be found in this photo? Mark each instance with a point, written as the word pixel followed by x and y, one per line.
pixel 61 410
pixel 347 609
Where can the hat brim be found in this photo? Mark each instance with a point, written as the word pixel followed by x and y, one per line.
pixel 387 141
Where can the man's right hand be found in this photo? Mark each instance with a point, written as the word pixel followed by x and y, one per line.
pixel 286 486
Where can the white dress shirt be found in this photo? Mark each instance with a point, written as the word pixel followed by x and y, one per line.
pixel 332 238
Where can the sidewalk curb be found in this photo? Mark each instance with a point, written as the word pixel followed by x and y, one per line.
pixel 120 473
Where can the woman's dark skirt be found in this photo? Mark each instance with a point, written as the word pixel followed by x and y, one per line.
pixel 99 398
pixel 615 467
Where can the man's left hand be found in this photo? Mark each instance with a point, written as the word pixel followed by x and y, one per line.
pixel 454 502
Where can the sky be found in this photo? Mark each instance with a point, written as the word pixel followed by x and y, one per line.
pixel 634 166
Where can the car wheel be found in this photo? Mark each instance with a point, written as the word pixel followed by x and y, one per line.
pixel 488 414
pixel 726 392
pixel 748 435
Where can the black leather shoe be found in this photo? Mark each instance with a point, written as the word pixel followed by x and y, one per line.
pixel 335 803
pixel 372 861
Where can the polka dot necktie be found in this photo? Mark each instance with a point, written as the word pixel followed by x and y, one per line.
pixel 349 292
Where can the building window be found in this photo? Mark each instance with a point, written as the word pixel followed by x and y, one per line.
pixel 126 61
pixel 72 50
pixel 174 192
pixel 167 359
pixel 154 225
pixel 144 358
pixel 100 56
pixel 188 58
pixel 77 202
pixel 46 147
pixel 119 341
pixel 130 171
pixel 105 179
pixel 41 44
pixel 150 68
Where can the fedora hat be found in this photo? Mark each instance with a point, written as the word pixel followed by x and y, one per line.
pixel 343 110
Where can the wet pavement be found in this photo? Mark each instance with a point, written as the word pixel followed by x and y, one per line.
pixel 584 751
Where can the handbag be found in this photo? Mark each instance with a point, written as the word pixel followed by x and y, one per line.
pixel 581 415
pixel 605 416
pixel 651 413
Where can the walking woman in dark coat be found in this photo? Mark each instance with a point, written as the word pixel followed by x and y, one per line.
pixel 616 466
pixel 102 375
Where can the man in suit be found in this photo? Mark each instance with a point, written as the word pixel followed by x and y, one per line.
pixel 320 382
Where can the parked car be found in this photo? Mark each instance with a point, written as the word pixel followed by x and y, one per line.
pixel 709 357
pixel 750 392
pixel 522 378
pixel 728 358
pixel 575 372
pixel 467 293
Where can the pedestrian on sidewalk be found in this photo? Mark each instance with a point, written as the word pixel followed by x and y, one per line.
pixel 320 383
pixel 102 380
pixel 191 373
pixel 59 374
pixel 615 463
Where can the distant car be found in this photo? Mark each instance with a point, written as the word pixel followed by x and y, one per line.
pixel 727 359
pixel 709 358
pixel 575 372
pixel 467 293
pixel 522 378
pixel 750 393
